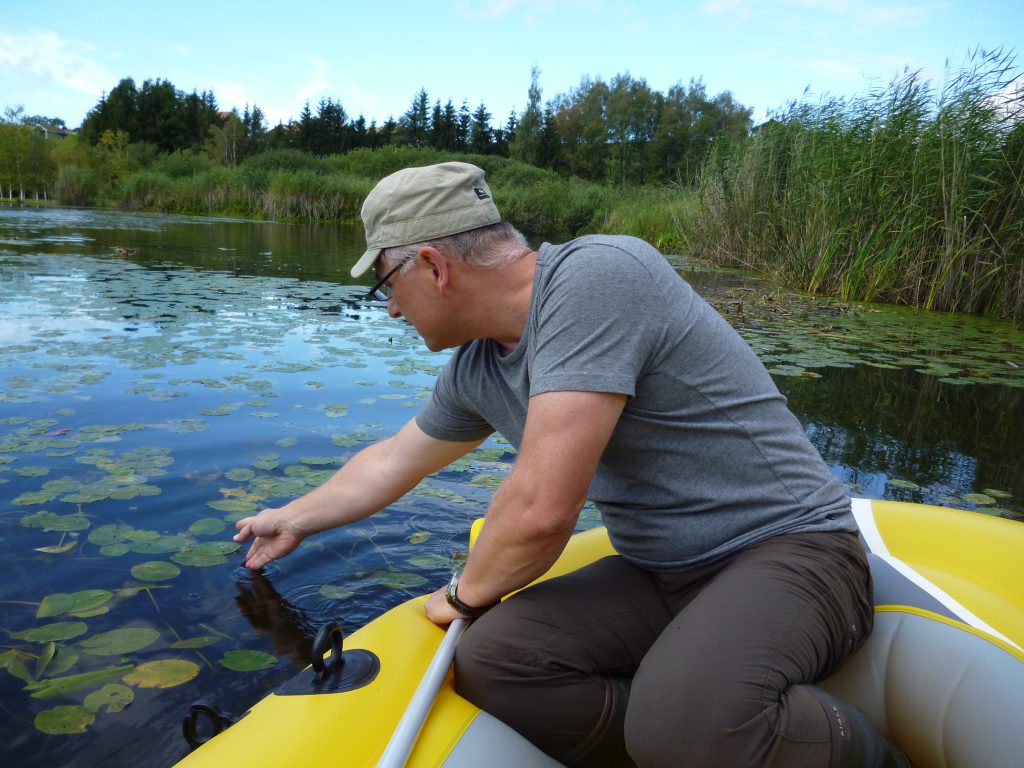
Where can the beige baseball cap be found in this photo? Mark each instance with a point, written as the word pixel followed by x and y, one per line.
pixel 419 204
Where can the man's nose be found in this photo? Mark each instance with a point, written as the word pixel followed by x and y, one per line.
pixel 393 309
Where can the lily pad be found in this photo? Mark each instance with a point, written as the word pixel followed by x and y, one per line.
pixel 335 592
pixel 208 526
pixel 198 559
pixel 62 602
pixel 113 696
pixel 399 580
pixel 111 534
pixel 51 521
pixel 64 659
pixel 160 546
pixel 429 561
pixel 155 570
pixel 195 642
pixel 247 661
pixel 64 719
pixel 978 498
pixel 119 641
pixel 419 537
pixel 164 673
pixel 896 483
pixel 240 474
pixel 268 461
pixel 233 505
pixel 995 493
pixel 61 630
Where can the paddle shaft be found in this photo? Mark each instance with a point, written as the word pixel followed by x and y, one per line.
pixel 408 729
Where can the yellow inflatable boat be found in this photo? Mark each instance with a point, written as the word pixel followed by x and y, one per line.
pixel 942 674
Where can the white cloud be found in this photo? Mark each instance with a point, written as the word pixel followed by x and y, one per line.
pixel 532 10
pixel 51 59
pixel 739 8
pixel 317 83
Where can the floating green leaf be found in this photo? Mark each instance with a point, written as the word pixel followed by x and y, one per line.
pixel 267 461
pixel 247 661
pixel 429 561
pixel 119 641
pixel 30 498
pixel 240 474
pixel 65 658
pixel 160 546
pixel 110 534
pixel 196 642
pixel 155 570
pixel 50 521
pixel 978 498
pixel 61 630
pixel 419 537
pixel 32 471
pixel 895 483
pixel 208 526
pixel 61 602
pixel 399 580
pixel 58 686
pixel 64 719
pixel 164 673
pixel 14 661
pixel 216 548
pixel 233 505
pixel 113 696
pixel 58 549
pixel 334 592
pixel 198 559
pixel 114 550
pixel 995 493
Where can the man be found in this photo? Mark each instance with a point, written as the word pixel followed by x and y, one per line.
pixel 740 579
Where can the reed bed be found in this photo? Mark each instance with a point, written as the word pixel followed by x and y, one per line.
pixel 908 194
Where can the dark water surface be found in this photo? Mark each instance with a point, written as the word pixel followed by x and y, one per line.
pixel 163 375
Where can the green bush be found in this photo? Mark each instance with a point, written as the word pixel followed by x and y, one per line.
pixel 76 185
pixel 183 162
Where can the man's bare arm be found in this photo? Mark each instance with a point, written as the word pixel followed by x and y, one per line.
pixel 374 478
pixel 535 509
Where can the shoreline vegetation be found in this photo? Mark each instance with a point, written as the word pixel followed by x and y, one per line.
pixel 910 194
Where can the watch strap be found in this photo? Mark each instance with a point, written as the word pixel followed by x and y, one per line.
pixel 451 594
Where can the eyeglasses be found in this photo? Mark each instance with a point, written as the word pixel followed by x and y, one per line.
pixel 382 291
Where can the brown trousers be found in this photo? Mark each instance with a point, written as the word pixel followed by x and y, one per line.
pixel 616 665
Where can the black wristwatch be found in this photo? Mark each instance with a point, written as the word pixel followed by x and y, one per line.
pixel 453 600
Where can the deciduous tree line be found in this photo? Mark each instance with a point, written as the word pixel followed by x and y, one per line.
pixel 620 132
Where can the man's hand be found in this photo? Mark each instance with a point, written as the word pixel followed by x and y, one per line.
pixel 275 536
pixel 438 610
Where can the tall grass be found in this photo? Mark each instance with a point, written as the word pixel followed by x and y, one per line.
pixel 907 194
pixel 286 184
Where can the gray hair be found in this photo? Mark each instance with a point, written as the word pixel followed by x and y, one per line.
pixel 484 248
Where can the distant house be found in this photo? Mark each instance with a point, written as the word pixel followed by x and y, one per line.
pixel 53 131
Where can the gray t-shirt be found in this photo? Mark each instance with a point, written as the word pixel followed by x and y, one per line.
pixel 706 458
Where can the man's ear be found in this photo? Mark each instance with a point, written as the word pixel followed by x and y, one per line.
pixel 439 264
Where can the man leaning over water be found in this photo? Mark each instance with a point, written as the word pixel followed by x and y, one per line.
pixel 739 579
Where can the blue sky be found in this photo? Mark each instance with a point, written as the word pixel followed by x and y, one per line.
pixel 57 57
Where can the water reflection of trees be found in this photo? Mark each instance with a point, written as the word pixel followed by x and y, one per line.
pixel 908 425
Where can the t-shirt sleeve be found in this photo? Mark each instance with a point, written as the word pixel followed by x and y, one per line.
pixel 445 416
pixel 598 325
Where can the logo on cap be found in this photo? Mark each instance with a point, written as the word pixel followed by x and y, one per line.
pixel 480 193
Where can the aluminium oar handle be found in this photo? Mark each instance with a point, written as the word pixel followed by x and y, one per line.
pixel 408 729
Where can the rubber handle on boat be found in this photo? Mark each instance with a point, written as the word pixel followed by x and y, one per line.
pixel 408 729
